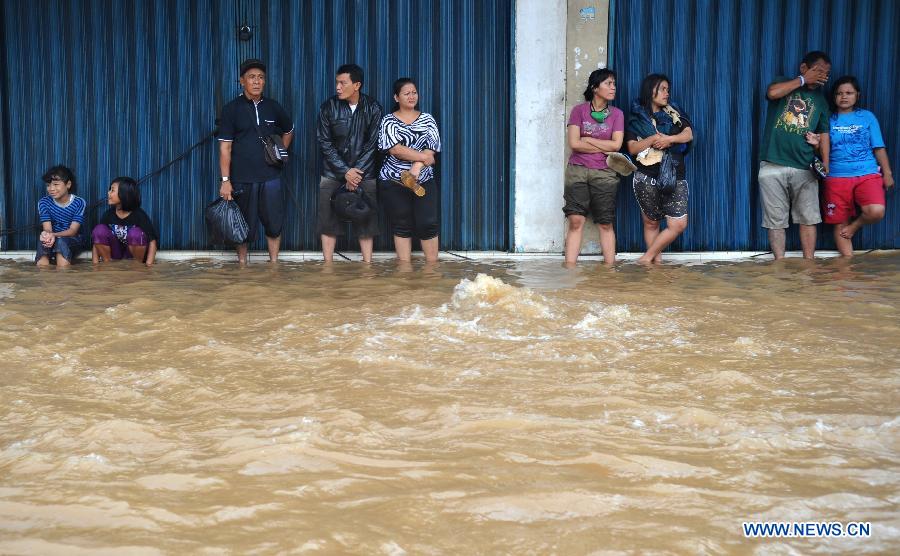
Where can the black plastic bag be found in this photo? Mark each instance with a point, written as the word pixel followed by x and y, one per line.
pixel 668 173
pixel 225 223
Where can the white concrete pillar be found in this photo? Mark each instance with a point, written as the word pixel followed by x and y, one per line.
pixel 539 141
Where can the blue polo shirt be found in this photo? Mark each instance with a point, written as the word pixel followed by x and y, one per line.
pixel 237 124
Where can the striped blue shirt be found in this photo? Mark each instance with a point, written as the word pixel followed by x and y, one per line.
pixel 61 216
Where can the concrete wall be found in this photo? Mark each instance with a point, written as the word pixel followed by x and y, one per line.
pixel 558 44
pixel 539 142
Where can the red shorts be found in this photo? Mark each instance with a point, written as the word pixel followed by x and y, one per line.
pixel 841 195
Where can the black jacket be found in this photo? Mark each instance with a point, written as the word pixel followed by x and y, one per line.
pixel 349 139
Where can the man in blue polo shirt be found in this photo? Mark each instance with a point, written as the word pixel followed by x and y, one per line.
pixel 246 176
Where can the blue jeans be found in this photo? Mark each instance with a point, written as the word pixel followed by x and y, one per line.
pixel 66 247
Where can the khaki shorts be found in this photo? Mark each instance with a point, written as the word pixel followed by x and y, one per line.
pixel 788 192
pixel 589 191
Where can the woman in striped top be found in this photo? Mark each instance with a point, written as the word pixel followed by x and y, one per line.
pixel 408 187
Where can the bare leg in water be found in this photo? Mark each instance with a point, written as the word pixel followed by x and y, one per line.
pixel 657 240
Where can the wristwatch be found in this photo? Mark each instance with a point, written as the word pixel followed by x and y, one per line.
pixel 225 178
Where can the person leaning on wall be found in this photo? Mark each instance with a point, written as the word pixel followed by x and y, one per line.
pixel 796 118
pixel 595 129
pixel 859 169
pixel 659 134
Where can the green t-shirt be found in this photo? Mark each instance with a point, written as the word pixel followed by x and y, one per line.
pixel 787 121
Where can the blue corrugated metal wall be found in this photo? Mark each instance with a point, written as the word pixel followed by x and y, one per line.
pixel 114 88
pixel 721 55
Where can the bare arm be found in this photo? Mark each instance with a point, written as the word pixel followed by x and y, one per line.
pixel 825 149
pixel 607 145
pixel 225 168
pixel 634 147
pixel 686 136
pixel 782 88
pixel 589 145
pixel 151 252
pixel 816 75
pixel 412 155
pixel 225 158
pixel 287 138
pixel 577 144
pixel 71 232
pixel 885 165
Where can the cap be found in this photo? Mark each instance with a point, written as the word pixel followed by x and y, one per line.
pixel 250 64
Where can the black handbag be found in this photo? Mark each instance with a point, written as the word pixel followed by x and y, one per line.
pixel 351 206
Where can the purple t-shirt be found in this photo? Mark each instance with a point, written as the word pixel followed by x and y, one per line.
pixel 581 116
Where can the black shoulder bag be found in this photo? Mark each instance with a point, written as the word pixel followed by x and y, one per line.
pixel 276 153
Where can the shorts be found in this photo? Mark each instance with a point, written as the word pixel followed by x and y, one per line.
pixel 841 195
pixel 261 202
pixel 104 235
pixel 331 225
pixel 66 247
pixel 786 191
pixel 657 205
pixel 591 191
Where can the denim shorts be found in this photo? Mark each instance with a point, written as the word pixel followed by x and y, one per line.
pixel 66 247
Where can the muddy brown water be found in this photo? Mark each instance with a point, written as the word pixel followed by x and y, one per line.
pixel 461 408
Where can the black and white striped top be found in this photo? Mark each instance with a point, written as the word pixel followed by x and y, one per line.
pixel 420 135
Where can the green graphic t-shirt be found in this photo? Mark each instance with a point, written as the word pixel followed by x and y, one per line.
pixel 787 121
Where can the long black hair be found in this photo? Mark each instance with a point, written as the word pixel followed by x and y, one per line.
pixel 129 193
pixel 649 87
pixel 398 84
pixel 596 78
pixel 844 80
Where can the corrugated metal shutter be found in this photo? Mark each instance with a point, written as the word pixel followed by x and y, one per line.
pixel 721 55
pixel 114 88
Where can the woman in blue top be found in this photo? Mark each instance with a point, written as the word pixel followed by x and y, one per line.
pixel 859 172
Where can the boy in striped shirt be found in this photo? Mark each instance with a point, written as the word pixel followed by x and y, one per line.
pixel 62 215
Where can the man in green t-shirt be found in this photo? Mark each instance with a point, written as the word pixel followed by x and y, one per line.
pixel 797 113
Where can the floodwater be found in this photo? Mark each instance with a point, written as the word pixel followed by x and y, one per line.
pixel 461 408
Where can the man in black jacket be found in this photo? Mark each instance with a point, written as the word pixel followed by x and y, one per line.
pixel 348 138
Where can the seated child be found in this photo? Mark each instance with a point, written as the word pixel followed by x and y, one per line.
pixel 125 231
pixel 62 214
